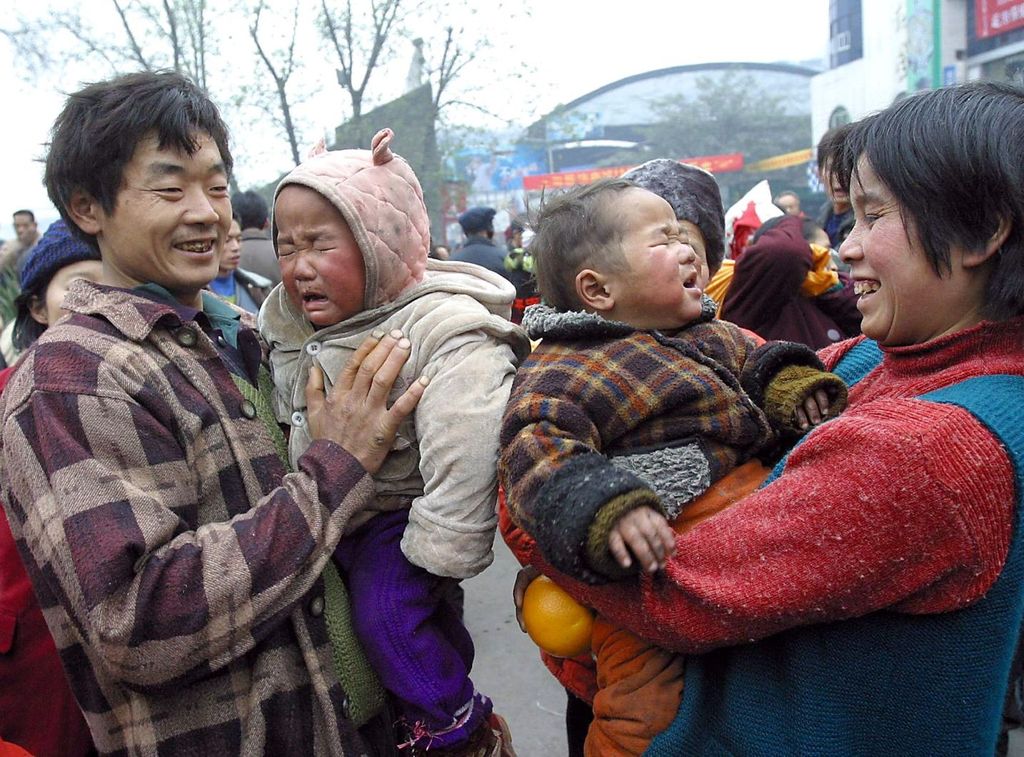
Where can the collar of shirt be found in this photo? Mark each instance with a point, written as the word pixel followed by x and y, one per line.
pixel 217 314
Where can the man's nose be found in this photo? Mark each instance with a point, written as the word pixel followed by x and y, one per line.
pixel 201 208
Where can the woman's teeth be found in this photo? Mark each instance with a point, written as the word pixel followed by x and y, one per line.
pixel 865 287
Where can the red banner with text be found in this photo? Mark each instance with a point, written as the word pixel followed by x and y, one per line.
pixel 713 163
pixel 992 17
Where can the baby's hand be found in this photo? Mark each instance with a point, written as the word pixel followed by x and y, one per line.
pixel 815 410
pixel 646 535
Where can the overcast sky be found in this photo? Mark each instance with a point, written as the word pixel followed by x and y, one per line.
pixel 575 46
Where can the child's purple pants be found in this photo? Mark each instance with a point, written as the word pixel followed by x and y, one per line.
pixel 413 637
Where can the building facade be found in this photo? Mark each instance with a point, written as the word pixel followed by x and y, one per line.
pixel 882 50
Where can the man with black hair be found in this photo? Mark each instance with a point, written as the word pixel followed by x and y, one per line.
pixel 182 568
pixel 836 216
pixel 258 254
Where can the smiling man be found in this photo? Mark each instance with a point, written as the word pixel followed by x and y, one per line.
pixel 177 560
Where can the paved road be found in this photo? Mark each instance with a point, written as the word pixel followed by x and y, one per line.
pixel 508 668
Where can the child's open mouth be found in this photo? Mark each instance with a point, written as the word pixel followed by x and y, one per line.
pixel 690 280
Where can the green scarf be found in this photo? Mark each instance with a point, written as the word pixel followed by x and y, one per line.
pixel 363 690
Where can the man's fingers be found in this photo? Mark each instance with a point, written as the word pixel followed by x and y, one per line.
pixel 347 376
pixel 405 404
pixel 385 373
pixel 314 389
pixel 359 374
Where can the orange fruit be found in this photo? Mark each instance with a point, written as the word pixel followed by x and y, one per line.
pixel 556 622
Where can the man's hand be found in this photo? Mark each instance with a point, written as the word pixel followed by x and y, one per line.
pixel 355 413
pixel 524 578
pixel 815 410
pixel 646 535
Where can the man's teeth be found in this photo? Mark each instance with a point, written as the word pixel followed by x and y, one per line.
pixel 865 287
pixel 196 246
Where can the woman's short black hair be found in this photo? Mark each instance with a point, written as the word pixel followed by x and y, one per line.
pixel 96 134
pixel 26 328
pixel 954 160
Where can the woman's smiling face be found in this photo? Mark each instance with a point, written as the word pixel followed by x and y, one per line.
pixel 902 298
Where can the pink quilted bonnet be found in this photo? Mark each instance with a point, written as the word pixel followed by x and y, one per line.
pixel 380 199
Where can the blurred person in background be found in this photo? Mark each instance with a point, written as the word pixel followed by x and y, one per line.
pixel 788 202
pixel 13 251
pixel 479 248
pixel 258 254
pixel 244 288
pixel 836 215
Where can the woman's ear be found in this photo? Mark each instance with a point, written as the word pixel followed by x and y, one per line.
pixel 994 243
pixel 37 309
pixel 592 290
pixel 85 212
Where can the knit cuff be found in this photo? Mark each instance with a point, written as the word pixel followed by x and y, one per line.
pixel 569 502
pixel 767 360
pixel 598 555
pixel 789 388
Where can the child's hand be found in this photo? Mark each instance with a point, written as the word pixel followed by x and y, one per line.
pixel 524 578
pixel 646 535
pixel 815 410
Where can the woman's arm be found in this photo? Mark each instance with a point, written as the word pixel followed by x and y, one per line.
pixel 907 506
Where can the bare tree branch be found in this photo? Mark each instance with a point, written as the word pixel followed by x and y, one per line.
pixel 280 78
pixel 136 50
pixel 342 35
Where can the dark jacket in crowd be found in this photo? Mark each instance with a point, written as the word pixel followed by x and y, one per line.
pixel 484 252
pixel 841 224
pixel 765 294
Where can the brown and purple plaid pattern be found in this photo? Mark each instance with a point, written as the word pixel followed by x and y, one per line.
pixel 611 393
pixel 177 565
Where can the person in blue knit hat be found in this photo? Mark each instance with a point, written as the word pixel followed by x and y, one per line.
pixel 58 259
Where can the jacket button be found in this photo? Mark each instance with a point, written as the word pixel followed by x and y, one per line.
pixel 316 607
pixel 221 340
pixel 186 337
pixel 298 418
pixel 248 409
pixel 313 348
pixel 346 707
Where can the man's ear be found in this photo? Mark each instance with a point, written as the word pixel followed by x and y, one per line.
pixel 593 291
pixel 993 244
pixel 85 212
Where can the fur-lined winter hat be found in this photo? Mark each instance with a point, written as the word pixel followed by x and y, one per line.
pixel 380 199
pixel 693 194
